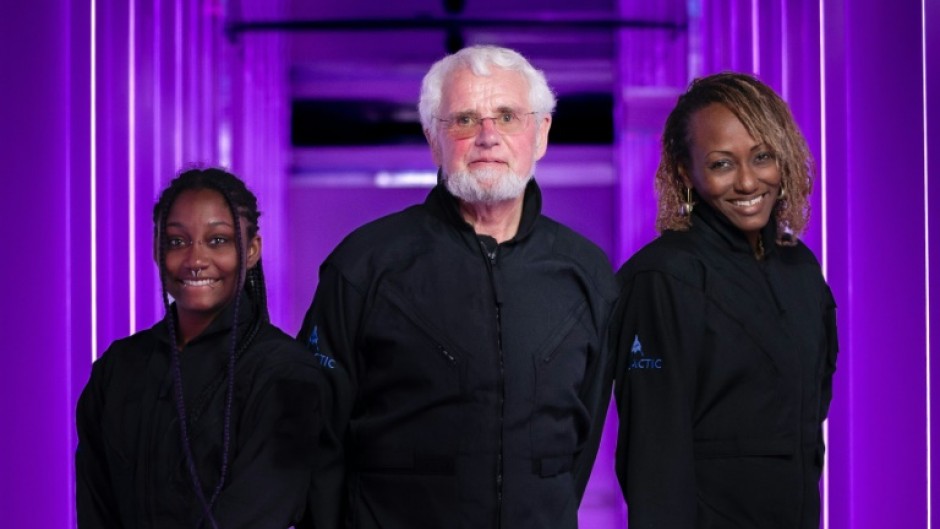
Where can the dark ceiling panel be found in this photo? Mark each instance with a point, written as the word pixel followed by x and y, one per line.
pixel 579 119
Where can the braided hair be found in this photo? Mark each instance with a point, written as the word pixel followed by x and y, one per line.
pixel 244 207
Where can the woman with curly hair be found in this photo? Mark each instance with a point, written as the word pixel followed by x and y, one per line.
pixel 725 329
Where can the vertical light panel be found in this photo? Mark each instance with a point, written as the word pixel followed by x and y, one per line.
pixel 131 166
pixel 694 31
pixel 158 126
pixel 824 246
pixel 93 176
pixel 225 142
pixel 43 133
pixel 927 363
pixel 178 85
pixel 930 33
pixel 823 155
pixel 885 483
pixel 70 246
pixel 157 122
pixel 785 50
pixel 755 37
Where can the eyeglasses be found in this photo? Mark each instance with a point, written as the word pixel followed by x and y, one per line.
pixel 467 125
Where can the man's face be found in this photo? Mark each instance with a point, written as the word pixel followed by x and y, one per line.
pixel 489 166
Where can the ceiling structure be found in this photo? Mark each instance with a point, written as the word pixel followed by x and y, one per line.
pixel 355 66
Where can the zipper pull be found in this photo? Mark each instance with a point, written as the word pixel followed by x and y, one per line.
pixel 490 254
pixel 446 354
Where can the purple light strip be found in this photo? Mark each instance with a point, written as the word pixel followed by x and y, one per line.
pixel 93 177
pixel 784 47
pixel 157 121
pixel 755 37
pixel 178 85
pixel 131 165
pixel 824 213
pixel 69 270
pixel 923 44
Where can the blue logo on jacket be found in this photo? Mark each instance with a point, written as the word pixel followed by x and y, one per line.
pixel 314 342
pixel 639 360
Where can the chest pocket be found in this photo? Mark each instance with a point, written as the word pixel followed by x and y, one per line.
pixel 563 355
pixel 560 419
pixel 403 342
pixel 411 380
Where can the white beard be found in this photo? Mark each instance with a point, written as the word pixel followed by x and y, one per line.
pixel 486 186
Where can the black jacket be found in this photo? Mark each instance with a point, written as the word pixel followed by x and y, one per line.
pixel 471 380
pixel 724 378
pixel 131 471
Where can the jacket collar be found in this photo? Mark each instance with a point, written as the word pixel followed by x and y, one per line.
pixel 222 323
pixel 719 230
pixel 737 285
pixel 445 206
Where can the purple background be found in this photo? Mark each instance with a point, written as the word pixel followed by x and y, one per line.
pixel 103 100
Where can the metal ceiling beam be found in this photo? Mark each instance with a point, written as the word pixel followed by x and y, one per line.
pixel 235 28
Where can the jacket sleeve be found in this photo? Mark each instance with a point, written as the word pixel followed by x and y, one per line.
pixel 329 330
pixel 97 506
pixel 832 353
pixel 656 324
pixel 270 475
pixel 596 393
pixel 829 369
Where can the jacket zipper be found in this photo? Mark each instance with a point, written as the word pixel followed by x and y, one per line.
pixel 500 381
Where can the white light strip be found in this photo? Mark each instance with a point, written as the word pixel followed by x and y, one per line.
pixel 824 213
pixel 387 179
pixel 923 44
pixel 93 183
pixel 131 166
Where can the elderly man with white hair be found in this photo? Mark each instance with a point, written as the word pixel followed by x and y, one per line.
pixel 464 336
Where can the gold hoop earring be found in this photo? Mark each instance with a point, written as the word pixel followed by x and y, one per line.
pixel 782 195
pixel 685 208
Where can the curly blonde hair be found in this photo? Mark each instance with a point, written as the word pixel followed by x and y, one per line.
pixel 768 120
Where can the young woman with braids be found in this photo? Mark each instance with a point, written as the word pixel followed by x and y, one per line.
pixel 210 418
pixel 725 329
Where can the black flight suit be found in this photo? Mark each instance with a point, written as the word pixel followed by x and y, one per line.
pixel 130 466
pixel 725 368
pixel 471 378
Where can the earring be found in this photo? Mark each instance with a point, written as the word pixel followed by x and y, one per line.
pixel 782 195
pixel 685 208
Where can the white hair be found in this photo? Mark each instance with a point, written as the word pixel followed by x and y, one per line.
pixel 479 59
